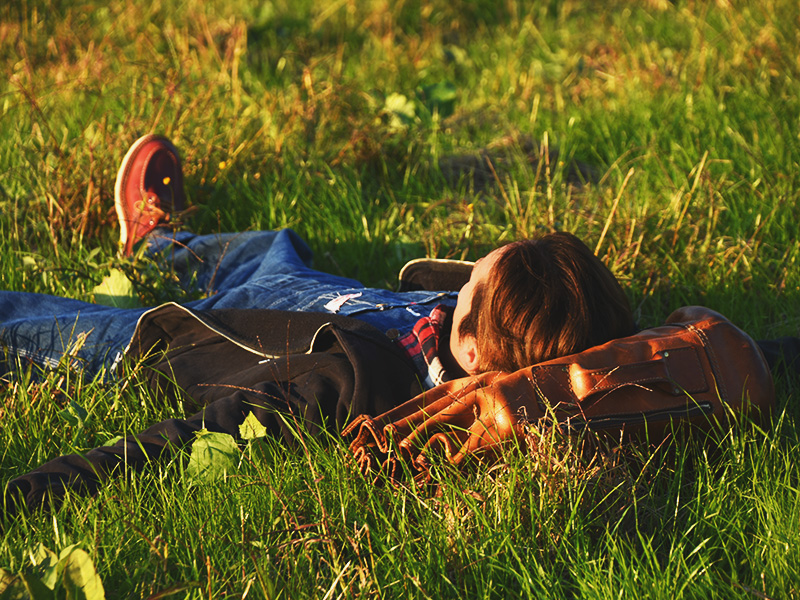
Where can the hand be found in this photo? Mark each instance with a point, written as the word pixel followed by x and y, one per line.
pixel 466 417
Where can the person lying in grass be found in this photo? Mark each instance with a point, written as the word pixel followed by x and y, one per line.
pixel 274 337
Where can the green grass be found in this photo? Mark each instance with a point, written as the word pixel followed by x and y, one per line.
pixel 288 114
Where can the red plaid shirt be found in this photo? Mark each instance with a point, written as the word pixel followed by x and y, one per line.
pixel 421 344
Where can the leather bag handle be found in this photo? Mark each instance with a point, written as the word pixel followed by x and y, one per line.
pixel 679 368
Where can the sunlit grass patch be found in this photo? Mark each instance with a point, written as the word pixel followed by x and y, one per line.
pixel 664 134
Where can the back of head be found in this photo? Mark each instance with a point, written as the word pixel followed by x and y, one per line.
pixel 545 298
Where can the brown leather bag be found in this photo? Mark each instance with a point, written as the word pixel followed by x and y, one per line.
pixel 697 369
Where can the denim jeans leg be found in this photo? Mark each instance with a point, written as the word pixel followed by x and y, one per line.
pixel 214 263
pixel 47 329
pixel 272 270
pixel 252 269
pixel 255 269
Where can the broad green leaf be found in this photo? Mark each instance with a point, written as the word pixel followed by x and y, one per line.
pixel 51 565
pixel 26 587
pixel 81 578
pixel 213 455
pixel 48 565
pixel 439 98
pixel 65 552
pixel 251 428
pixel 43 556
pixel 401 111
pixel 116 290
pixel 74 414
pixel 72 569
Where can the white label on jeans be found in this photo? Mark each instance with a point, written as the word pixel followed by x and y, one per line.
pixel 337 303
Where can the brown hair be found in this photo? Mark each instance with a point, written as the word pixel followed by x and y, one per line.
pixel 545 298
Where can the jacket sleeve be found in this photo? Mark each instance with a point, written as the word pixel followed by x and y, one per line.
pixel 319 390
pixel 319 384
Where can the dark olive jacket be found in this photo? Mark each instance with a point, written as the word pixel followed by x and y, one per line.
pixel 223 364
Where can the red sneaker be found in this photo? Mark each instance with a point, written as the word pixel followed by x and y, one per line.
pixel 149 188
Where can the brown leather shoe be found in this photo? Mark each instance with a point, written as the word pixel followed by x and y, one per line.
pixel 149 188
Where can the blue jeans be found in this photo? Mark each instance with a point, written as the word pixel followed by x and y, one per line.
pixel 255 269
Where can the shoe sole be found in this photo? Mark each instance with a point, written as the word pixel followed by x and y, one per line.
pixel 122 176
pixel 439 261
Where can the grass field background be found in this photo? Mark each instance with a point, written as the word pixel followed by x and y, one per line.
pixel 664 134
